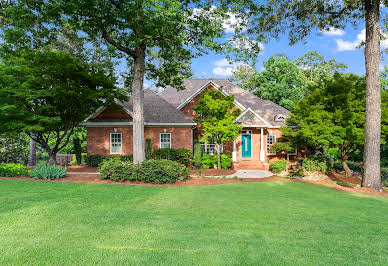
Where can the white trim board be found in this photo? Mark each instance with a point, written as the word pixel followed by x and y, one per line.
pixel 215 85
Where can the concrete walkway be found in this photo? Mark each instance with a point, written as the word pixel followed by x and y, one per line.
pixel 251 174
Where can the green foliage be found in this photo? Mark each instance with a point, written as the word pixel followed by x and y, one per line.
pixel 116 169
pixel 14 148
pixel 48 94
pixel 332 116
pixel 160 171
pixel 197 154
pixel 149 171
pixel 209 161
pixel 317 163
pixel 148 149
pixel 83 157
pixel 384 176
pixel 344 184
pixel 13 169
pixel 216 115
pixel 48 172
pixel 182 156
pixel 281 82
pixel 278 166
pixel 77 150
pixel 95 160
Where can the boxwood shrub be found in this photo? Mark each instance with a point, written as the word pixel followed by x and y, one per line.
pixel 13 169
pixel 95 160
pixel 182 156
pixel 209 161
pixel 278 166
pixel 149 171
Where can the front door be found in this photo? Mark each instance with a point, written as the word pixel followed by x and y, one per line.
pixel 246 146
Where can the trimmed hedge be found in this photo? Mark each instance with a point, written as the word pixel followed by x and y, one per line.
pixel 182 156
pixel 209 161
pixel 13 169
pixel 149 171
pixel 96 160
pixel 278 166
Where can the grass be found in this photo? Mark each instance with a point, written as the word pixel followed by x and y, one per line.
pixel 282 223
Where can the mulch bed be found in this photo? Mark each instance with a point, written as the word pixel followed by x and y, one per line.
pixel 197 180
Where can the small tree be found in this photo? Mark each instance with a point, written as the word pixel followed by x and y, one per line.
pixel 331 116
pixel 77 150
pixel 197 154
pixel 47 94
pixel 148 148
pixel 216 115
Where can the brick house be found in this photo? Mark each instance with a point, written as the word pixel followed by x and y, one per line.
pixel 169 123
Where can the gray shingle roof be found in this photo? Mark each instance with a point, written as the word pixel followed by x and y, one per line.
pixel 264 108
pixel 158 110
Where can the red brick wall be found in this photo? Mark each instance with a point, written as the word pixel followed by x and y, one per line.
pixel 98 138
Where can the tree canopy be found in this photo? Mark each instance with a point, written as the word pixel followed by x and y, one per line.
pixel 47 94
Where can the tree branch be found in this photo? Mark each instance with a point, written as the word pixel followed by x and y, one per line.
pixel 117 45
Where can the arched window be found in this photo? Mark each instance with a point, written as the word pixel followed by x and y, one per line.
pixel 280 118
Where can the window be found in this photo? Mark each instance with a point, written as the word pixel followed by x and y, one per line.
pixel 294 152
pixel 271 139
pixel 165 140
pixel 209 147
pixel 115 143
pixel 280 118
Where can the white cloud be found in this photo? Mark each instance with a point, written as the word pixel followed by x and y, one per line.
pixel 333 32
pixel 351 46
pixel 223 71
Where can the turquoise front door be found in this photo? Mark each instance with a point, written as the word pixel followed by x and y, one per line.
pixel 246 146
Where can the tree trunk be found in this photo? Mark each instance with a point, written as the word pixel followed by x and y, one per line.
pixel 138 104
pixel 52 157
pixel 371 173
pixel 218 156
pixel 346 168
pixel 32 153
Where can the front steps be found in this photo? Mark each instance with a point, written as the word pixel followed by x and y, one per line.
pixel 250 165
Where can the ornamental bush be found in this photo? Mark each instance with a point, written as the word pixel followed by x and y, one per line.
pixel 182 156
pixel 278 166
pixel 197 154
pixel 96 160
pixel 317 162
pixel 48 172
pixel 160 171
pixel 116 170
pixel 13 169
pixel 209 161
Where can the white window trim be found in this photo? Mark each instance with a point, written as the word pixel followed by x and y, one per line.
pixel 294 152
pixel 121 143
pixel 207 145
pixel 160 140
pixel 274 141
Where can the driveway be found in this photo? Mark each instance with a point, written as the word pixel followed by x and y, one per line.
pixel 251 174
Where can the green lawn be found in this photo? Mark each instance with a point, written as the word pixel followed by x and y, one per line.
pixel 247 223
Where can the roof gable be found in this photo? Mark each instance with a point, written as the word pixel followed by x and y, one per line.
pixel 250 118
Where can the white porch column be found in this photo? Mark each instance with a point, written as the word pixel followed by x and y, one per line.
pixel 262 155
pixel 234 153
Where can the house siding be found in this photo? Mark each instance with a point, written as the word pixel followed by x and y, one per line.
pixel 98 138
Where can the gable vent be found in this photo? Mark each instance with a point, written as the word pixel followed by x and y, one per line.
pixel 280 118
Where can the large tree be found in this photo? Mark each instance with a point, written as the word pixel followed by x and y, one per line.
pixel 331 116
pixel 300 17
pixel 216 115
pixel 47 94
pixel 159 37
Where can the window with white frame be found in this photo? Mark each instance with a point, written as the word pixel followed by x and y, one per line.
pixel 165 140
pixel 271 139
pixel 115 143
pixel 208 146
pixel 294 152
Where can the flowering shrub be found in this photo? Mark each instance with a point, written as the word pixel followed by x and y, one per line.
pixel 13 169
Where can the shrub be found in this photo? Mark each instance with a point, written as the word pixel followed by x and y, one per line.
pixel 77 150
pixel 209 161
pixel 13 169
pixel 278 166
pixel 317 162
pixel 49 172
pixel 116 170
pixel 96 160
pixel 182 156
pixel 148 149
pixel 384 176
pixel 197 154
pixel 160 171
pixel 74 160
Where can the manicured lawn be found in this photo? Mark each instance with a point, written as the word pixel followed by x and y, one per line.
pixel 249 223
